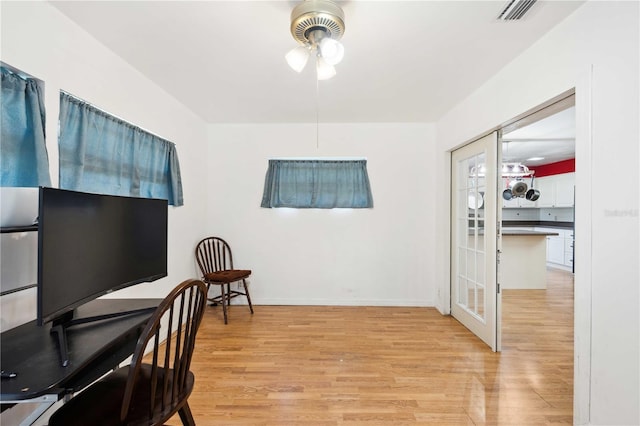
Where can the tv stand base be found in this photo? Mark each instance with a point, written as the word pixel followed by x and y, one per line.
pixel 60 328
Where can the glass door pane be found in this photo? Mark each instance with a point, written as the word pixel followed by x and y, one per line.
pixel 471 244
pixel 474 188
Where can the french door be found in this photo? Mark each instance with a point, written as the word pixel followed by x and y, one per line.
pixel 475 217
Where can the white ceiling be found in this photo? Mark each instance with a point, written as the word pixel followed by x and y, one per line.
pixel 552 139
pixel 405 61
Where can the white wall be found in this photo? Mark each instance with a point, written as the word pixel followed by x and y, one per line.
pixel 315 256
pixel 596 51
pixel 379 256
pixel 39 40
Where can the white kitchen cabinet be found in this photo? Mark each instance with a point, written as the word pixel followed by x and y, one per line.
pixel 509 204
pixel 555 190
pixel 555 249
pixel 559 248
pixel 564 189
pixel 568 260
pixel 523 202
pixel 568 249
pixel 547 191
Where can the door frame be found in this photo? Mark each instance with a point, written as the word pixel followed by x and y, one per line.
pixel 582 89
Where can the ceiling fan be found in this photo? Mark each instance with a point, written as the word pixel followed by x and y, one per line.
pixel 317 25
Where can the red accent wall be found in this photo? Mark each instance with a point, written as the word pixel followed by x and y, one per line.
pixel 565 166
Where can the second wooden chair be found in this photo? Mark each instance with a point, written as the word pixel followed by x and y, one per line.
pixel 215 261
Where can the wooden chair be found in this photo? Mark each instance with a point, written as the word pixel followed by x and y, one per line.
pixel 147 393
pixel 215 261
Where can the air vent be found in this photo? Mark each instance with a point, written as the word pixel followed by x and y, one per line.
pixel 515 10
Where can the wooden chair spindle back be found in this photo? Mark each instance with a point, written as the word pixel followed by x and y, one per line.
pixel 171 352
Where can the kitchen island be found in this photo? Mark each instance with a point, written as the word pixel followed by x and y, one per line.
pixel 523 260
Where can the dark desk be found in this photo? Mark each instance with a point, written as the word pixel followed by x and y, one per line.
pixel 94 349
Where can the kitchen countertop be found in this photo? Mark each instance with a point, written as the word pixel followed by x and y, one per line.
pixel 518 232
pixel 537 223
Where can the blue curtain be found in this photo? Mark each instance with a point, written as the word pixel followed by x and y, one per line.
pixel 22 140
pixel 321 184
pixel 103 154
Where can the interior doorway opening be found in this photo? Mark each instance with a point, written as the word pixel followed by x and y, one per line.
pixel 537 311
pixel 536 315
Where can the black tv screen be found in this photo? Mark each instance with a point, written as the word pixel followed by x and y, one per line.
pixel 92 244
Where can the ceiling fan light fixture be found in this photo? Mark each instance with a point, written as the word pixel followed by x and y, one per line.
pixel 332 51
pixel 297 58
pixel 324 70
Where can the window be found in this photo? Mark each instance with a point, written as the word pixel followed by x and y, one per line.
pixel 22 141
pixel 103 154
pixel 317 183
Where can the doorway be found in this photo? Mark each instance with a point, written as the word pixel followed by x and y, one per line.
pixel 576 358
pixel 467 219
pixel 538 323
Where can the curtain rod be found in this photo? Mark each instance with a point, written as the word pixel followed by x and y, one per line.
pixel 23 75
pixel 320 158
pixel 113 115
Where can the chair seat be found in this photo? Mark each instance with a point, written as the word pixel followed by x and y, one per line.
pixel 227 276
pixel 100 403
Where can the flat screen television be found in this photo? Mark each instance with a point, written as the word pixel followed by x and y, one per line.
pixel 91 244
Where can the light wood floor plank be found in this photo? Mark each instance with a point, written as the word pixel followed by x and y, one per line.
pixel 318 365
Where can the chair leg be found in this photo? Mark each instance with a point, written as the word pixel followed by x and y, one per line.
pixel 186 416
pixel 246 292
pixel 225 301
pixel 213 303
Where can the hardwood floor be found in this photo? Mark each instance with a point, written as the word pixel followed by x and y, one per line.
pixel 316 365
